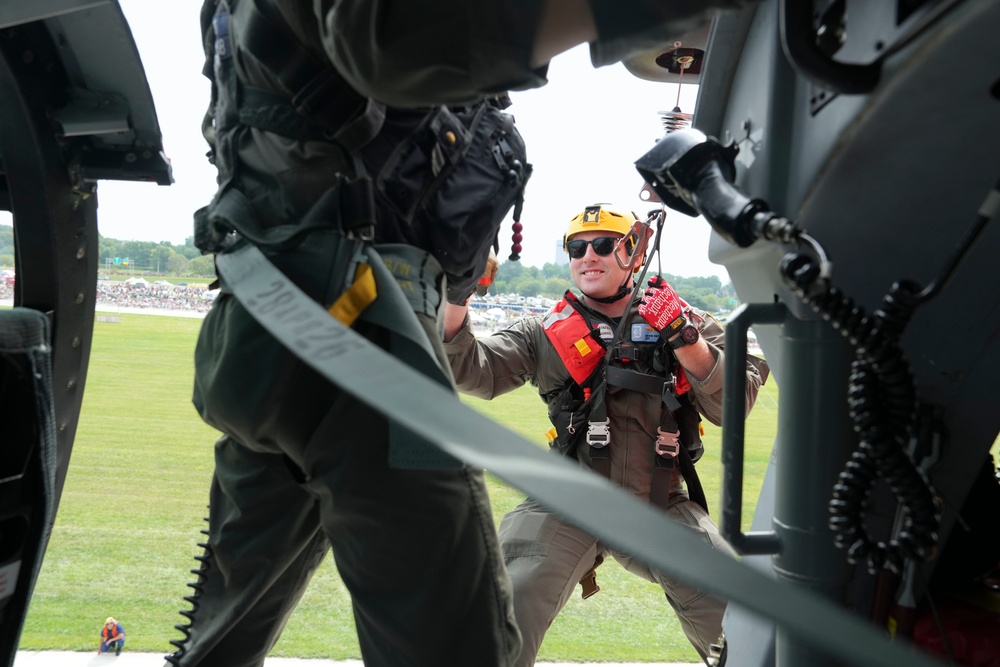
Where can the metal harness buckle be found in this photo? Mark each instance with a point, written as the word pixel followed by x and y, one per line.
pixel 598 433
pixel 668 444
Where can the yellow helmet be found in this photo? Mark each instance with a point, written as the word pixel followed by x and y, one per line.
pixel 600 218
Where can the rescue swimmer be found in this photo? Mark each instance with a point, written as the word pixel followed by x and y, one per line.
pixel 626 381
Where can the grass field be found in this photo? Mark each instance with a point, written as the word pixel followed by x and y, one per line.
pixel 137 491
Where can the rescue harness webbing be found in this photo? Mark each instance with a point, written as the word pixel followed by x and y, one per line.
pixel 570 330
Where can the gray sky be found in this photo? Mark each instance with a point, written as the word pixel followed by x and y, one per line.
pixel 583 131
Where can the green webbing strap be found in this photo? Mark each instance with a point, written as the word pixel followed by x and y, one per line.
pixel 598 436
pixel 434 412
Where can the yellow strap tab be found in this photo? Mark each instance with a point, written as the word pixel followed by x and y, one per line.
pixel 361 294
pixel 551 435
pixel 582 347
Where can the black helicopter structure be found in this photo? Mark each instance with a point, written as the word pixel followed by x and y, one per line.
pixel 846 154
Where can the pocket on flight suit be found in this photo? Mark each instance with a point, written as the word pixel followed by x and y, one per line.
pixel 527 531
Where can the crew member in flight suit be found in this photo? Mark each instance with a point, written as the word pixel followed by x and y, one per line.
pixel 642 437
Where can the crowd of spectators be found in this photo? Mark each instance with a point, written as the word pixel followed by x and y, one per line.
pixel 157 296
pixel 142 295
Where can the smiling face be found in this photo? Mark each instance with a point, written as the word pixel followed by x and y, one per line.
pixel 600 276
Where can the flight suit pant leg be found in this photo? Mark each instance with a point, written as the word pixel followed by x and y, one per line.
pixel 263 546
pixel 417 549
pixel 546 557
pixel 699 613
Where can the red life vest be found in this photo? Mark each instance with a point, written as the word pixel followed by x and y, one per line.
pixel 581 350
pixel 573 338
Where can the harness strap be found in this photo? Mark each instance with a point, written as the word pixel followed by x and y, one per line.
pixel 598 434
pixel 644 383
pixel 667 460
pixel 346 205
pixel 659 494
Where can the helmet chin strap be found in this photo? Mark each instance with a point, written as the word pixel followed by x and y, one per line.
pixel 622 292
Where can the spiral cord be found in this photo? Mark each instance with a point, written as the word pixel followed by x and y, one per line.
pixel 675 119
pixel 883 405
pixel 204 565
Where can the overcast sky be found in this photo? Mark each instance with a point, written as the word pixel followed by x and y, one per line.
pixel 583 132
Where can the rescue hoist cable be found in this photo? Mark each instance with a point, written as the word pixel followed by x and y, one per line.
pixel 657 216
pixel 675 119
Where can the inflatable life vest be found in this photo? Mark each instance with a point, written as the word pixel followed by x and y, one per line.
pixel 574 339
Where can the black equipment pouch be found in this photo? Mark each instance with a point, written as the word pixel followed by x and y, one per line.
pixel 569 414
pixel 446 179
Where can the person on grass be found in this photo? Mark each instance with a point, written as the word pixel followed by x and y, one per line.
pixel 112 636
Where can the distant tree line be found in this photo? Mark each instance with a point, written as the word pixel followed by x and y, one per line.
pixel 134 257
pixel 146 257
pixel 552 280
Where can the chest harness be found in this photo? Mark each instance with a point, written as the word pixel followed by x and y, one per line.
pixel 643 364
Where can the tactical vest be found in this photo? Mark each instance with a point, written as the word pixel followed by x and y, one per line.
pixel 644 364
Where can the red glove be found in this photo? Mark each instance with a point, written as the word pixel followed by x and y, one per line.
pixel 662 308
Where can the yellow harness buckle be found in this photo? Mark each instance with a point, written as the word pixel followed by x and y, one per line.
pixel 349 305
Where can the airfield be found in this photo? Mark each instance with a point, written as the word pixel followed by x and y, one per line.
pixel 126 659
pixel 110 312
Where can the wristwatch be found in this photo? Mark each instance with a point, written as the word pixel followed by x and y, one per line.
pixel 688 334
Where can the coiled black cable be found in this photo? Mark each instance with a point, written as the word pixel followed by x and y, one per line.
pixel 883 405
pixel 204 565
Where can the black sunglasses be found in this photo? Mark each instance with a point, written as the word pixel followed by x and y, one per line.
pixel 603 246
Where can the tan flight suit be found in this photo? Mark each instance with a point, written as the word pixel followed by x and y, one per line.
pixel 545 555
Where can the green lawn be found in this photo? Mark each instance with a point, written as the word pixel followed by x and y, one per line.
pixel 137 490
